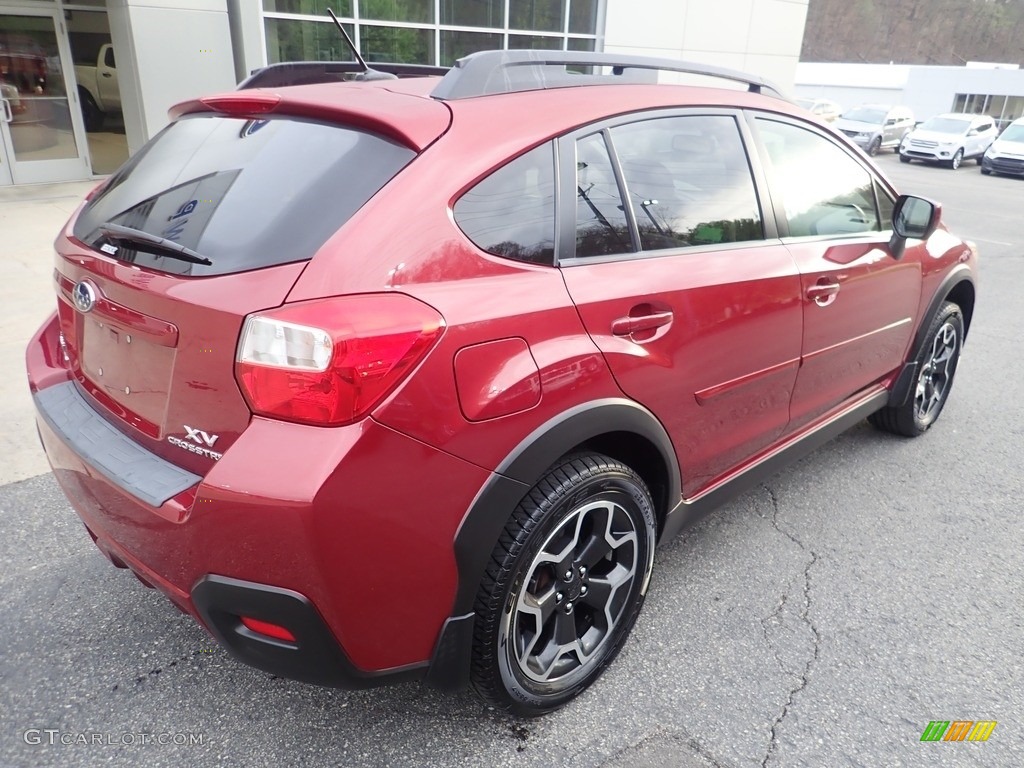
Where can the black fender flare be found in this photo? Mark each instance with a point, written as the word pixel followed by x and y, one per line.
pixel 908 375
pixel 508 484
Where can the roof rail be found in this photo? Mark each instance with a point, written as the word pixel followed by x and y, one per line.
pixel 489 72
pixel 307 72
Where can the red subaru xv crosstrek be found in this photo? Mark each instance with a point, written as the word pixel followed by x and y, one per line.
pixel 406 378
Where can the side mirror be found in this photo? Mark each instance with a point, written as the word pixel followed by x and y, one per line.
pixel 912 218
pixel 972 132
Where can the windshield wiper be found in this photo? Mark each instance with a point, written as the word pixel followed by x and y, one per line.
pixel 144 241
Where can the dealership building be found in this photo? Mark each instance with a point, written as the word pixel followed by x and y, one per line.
pixel 114 67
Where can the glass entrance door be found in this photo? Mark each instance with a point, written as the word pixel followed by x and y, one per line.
pixel 41 133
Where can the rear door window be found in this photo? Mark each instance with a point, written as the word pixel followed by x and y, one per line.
pixel 240 193
pixel 689 181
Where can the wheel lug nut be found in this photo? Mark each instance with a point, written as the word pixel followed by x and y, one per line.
pixel 558 597
pixel 583 589
pixel 568 608
pixel 583 570
pixel 568 575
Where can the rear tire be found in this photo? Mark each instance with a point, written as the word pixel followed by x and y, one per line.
pixel 936 365
pixel 564 585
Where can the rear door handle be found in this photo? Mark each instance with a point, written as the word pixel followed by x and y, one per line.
pixel 823 292
pixel 8 115
pixel 627 326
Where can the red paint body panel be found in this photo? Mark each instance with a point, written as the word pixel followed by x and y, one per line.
pixel 722 375
pixel 410 120
pixel 496 378
pixel 180 367
pixel 305 508
pixel 863 333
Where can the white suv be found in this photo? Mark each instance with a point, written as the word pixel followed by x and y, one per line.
pixel 949 139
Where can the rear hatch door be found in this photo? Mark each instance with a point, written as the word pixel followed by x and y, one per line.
pixel 213 219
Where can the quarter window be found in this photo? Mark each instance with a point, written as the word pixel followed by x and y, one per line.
pixel 823 189
pixel 689 181
pixel 511 213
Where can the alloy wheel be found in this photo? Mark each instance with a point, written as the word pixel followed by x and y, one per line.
pixel 937 373
pixel 574 593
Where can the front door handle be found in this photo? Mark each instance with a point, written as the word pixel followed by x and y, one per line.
pixel 823 292
pixel 627 326
pixel 8 115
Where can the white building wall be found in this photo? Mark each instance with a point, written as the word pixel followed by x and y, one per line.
pixel 168 51
pixel 927 90
pixel 762 37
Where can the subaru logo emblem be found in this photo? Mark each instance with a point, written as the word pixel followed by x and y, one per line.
pixel 84 296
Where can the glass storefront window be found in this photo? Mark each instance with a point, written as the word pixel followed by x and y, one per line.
pixel 408 11
pixel 583 17
pixel 539 15
pixel 309 7
pixel 538 42
pixel 32 85
pixel 294 40
pixel 581 44
pixel 455 45
pixel 420 31
pixel 397 45
pixel 473 13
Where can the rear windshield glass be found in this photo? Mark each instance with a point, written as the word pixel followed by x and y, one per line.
pixel 241 194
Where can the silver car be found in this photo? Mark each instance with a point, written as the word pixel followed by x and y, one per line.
pixel 876 126
pixel 950 139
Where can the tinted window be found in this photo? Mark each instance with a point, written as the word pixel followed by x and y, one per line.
pixel 689 181
pixel 886 205
pixel 242 193
pixel 824 191
pixel 511 213
pixel 601 226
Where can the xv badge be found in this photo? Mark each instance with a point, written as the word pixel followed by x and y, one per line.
pixel 200 437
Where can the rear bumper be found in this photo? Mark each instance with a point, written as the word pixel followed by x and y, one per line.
pixel 343 536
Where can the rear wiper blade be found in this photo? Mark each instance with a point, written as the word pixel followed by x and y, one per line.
pixel 144 241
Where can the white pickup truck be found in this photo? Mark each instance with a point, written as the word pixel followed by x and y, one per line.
pixel 97 88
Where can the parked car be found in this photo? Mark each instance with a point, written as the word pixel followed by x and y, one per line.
pixel 823 109
pixel 1006 153
pixel 98 88
pixel 949 139
pixel 873 126
pixel 436 428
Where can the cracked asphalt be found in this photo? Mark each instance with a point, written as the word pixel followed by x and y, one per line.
pixel 822 619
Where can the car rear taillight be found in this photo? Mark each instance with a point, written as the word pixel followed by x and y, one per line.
pixel 329 362
pixel 275 631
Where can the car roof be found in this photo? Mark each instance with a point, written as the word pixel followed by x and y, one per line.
pixel 405 111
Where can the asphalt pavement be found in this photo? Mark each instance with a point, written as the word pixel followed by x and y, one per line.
pixel 820 620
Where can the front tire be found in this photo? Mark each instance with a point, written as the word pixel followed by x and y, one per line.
pixel 874 146
pixel 904 158
pixel 564 585
pixel 954 162
pixel 936 366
